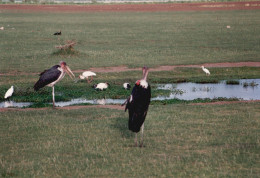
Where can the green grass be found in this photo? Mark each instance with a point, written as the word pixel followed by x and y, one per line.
pixel 180 141
pixel 122 38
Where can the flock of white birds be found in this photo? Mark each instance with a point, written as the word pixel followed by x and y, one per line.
pixel 88 74
pixel 100 86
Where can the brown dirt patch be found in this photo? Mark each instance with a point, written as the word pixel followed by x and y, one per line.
pixel 212 6
pixel 226 102
pixel 160 68
pixel 116 107
pixel 169 68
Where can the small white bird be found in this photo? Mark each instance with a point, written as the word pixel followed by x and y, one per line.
pixel 126 86
pixel 205 70
pixel 2 28
pixel 101 86
pixel 9 92
pixel 86 75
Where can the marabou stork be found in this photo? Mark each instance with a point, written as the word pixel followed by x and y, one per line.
pixel 86 75
pixel 51 76
pixel 57 33
pixel 101 86
pixel 9 92
pixel 205 70
pixel 138 104
pixel 126 86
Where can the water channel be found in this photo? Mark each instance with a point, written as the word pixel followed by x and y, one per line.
pixel 247 89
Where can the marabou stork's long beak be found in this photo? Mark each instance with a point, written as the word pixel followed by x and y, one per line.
pixel 69 72
pixel 145 72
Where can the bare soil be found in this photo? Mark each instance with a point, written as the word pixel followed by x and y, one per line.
pixel 116 107
pixel 150 7
pixel 169 68
pixel 160 68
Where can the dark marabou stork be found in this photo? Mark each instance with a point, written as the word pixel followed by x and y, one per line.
pixel 51 76
pixel 138 104
pixel 57 33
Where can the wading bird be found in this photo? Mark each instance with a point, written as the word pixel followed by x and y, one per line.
pixel 9 92
pixel 205 70
pixel 86 75
pixel 51 76
pixel 57 33
pixel 138 104
pixel 126 86
pixel 101 86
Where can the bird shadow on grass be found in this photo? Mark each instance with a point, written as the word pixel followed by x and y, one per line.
pixel 121 124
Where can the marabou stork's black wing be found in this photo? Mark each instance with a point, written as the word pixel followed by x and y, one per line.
pixel 47 77
pixel 138 107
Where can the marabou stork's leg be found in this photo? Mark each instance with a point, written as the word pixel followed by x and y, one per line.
pixel 53 97
pixel 136 140
pixel 142 135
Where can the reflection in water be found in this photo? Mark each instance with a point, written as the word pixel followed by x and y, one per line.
pixel 8 104
pixel 85 101
pixel 183 91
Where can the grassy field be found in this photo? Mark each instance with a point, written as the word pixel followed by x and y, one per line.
pixel 180 140
pixel 131 39
pixel 123 38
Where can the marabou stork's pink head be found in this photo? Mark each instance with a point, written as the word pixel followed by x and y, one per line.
pixel 67 69
pixel 143 81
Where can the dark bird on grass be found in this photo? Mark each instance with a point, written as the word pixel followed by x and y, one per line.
pixel 51 76
pixel 138 104
pixel 126 86
pixel 57 33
